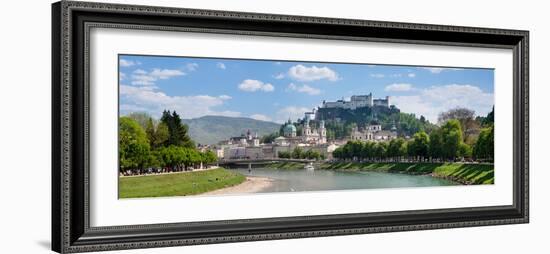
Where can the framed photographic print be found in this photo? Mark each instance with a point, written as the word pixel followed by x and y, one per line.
pixel 181 126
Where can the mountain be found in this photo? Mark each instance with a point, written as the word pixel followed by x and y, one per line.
pixel 212 129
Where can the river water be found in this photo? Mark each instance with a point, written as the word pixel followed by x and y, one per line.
pixel 285 180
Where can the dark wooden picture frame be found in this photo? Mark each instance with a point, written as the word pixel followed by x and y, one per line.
pixel 71 22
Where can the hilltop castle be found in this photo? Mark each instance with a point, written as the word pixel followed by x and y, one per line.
pixel 358 101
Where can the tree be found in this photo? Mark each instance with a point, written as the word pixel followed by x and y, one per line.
pixel 464 150
pixel 368 150
pixel 451 134
pixel 489 119
pixel 397 148
pixel 435 149
pixel 466 117
pixel 141 118
pixel 419 145
pixel 269 138
pixel 178 131
pixel 133 145
pixel 284 154
pixel 337 153
pixel 297 153
pixel 380 150
pixel 150 131
pixel 354 148
pixel 161 134
pixel 312 155
pixel 484 147
pixel 209 157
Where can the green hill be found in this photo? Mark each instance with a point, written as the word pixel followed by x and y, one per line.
pixel 212 129
pixel 339 121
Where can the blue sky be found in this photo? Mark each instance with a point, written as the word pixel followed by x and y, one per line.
pixel 277 90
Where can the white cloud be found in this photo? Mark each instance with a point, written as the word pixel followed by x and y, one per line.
pixel 377 75
pixel 140 72
pixel 433 70
pixel 121 76
pixel 261 117
pixel 221 66
pixel 436 70
pixel 279 76
pixel 313 73
pixel 398 87
pixel 292 112
pixel 411 75
pixel 304 89
pixel 154 102
pixel 191 66
pixel 165 73
pixel 143 78
pixel 252 85
pixel 431 101
pixel 225 97
pixel 126 63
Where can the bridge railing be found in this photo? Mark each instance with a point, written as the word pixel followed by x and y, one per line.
pixel 264 159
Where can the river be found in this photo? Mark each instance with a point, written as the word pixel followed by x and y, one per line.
pixel 285 180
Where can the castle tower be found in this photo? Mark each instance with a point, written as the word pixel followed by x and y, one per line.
pixel 369 100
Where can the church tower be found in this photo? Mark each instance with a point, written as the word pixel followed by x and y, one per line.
pixel 322 132
pixel 307 129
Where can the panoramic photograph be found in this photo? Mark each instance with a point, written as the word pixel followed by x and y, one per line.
pixel 192 126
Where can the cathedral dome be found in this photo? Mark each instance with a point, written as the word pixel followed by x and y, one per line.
pixel 289 130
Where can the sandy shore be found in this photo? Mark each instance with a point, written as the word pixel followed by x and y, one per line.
pixel 252 184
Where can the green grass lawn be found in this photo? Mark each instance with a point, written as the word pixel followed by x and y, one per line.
pixel 464 173
pixel 177 184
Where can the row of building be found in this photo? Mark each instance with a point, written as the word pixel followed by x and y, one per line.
pixel 248 146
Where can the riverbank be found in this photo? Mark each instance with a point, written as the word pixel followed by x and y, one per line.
pixel 252 184
pixel 178 184
pixel 458 172
pixel 286 165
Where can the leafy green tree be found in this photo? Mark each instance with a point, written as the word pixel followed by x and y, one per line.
pixel 209 157
pixel 312 154
pixel 338 153
pixel 157 135
pixel 284 154
pixel 380 150
pixel 419 145
pixel 490 118
pixel 397 148
pixel 464 150
pixel 466 117
pixel 266 139
pixel 484 147
pixel 150 131
pixel 161 135
pixel 297 153
pixel 354 148
pixel 133 145
pixel 368 150
pixel 141 118
pixel 435 149
pixel 452 138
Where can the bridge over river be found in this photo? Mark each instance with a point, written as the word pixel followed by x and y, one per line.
pixel 258 162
